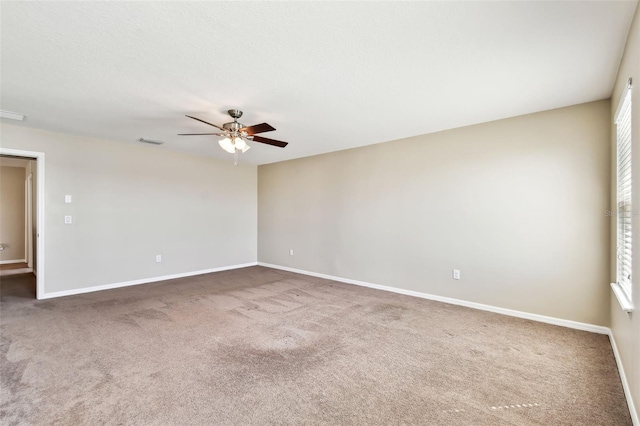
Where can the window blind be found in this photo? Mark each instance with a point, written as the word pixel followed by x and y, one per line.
pixel 625 213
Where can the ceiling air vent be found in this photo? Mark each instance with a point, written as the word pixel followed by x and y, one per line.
pixel 143 140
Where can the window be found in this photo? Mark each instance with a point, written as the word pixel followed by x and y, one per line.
pixel 624 202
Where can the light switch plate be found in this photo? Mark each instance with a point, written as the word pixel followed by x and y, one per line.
pixel 68 220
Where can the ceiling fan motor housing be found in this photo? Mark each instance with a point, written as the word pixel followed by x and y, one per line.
pixel 234 127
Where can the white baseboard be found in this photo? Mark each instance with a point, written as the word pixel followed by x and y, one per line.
pixel 142 281
pixel 504 311
pixel 623 379
pixel 6 262
pixel 11 272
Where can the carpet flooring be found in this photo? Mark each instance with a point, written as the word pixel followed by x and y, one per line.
pixel 258 346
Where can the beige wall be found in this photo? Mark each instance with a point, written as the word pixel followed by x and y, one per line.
pixel 517 205
pixel 132 202
pixel 626 328
pixel 12 225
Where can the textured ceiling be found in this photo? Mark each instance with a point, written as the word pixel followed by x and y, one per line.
pixel 327 75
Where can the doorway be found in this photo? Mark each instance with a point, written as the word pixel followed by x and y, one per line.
pixel 22 223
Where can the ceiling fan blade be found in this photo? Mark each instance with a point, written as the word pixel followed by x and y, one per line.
pixel 270 141
pixel 206 122
pixel 196 134
pixel 258 128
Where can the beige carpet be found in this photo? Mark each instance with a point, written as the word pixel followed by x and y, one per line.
pixel 258 346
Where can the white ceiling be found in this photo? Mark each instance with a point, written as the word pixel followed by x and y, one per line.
pixel 327 75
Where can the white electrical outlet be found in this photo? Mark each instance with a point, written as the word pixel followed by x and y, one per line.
pixel 290 252
pixel 67 199
pixel 456 274
pixel 158 258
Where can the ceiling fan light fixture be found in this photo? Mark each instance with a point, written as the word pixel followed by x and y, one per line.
pixel 227 145
pixel 239 143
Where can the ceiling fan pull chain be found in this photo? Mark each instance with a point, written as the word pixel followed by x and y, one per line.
pixel 235 157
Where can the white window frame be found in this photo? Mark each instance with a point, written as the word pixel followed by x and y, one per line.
pixel 622 288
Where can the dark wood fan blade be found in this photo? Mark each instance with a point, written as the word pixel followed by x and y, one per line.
pixel 196 134
pixel 206 122
pixel 258 128
pixel 270 141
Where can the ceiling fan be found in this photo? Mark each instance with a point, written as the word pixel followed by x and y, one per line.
pixel 236 134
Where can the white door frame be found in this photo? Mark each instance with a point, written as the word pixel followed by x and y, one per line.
pixel 39 156
pixel 28 247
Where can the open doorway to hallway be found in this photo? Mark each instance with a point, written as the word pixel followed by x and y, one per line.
pixel 19 222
